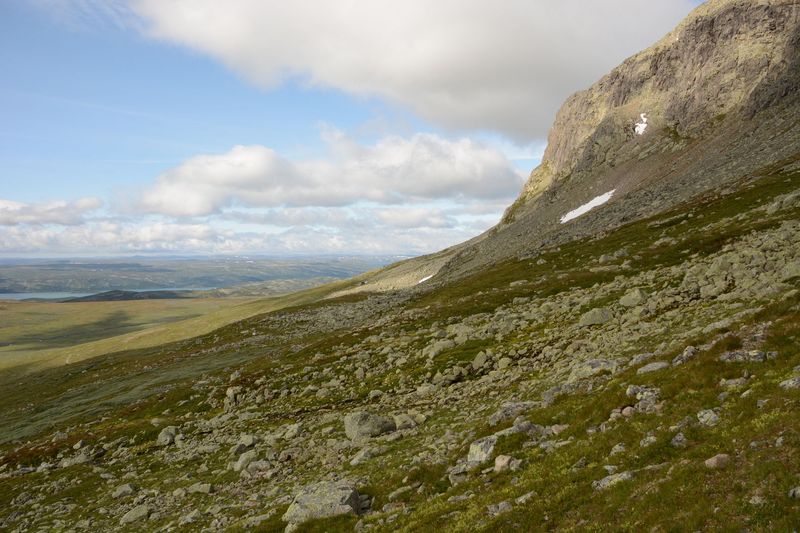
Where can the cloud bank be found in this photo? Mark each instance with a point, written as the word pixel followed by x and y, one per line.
pixel 461 64
pixel 56 212
pixel 395 170
pixel 403 195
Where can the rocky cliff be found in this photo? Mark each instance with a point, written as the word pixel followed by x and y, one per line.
pixel 730 60
pixel 714 101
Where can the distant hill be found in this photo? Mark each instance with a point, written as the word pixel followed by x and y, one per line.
pixel 120 296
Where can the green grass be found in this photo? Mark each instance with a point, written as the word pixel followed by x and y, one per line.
pixel 131 387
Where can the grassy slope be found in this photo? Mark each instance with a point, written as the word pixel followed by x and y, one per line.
pixel 681 496
pixel 155 322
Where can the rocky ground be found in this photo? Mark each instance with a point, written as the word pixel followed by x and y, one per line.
pixel 648 378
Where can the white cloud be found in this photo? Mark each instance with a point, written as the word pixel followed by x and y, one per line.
pixel 415 218
pixel 55 212
pixel 136 238
pixel 394 170
pixel 463 64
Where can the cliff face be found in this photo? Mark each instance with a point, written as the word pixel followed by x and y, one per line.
pixel 712 103
pixel 728 59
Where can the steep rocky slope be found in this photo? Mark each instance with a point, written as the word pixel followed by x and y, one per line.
pixel 636 368
pixel 721 97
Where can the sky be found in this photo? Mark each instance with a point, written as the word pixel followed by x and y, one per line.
pixel 258 127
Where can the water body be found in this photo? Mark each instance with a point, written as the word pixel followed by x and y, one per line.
pixel 66 295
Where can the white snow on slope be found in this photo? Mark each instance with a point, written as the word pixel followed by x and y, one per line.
pixel 641 126
pixel 585 208
pixel 426 278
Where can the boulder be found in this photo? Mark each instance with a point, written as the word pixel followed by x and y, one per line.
pixel 791 384
pixel 597 316
pixel 611 480
pixel 140 512
pixel 245 459
pixel 721 460
pixel 167 436
pixel 688 353
pixel 124 490
pixel 200 488
pixel 481 450
pixel 591 368
pixel 708 418
pixel 361 425
pixel 633 298
pixel 653 367
pixel 323 500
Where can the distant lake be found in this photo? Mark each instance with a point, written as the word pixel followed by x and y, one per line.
pixel 65 295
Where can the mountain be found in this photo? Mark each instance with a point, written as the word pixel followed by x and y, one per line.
pixel 629 367
pixel 721 99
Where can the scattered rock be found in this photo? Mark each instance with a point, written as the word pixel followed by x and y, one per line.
pixel 688 353
pixel 200 488
pixel 124 490
pixel 679 441
pixel 708 418
pixel 611 480
pixel 597 316
pixel 322 500
pixel 503 463
pixel 791 384
pixel 140 512
pixel 361 425
pixel 481 450
pixel 720 460
pixel 167 436
pixel 633 298
pixel 653 367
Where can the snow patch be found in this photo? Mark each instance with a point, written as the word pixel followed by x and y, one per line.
pixel 426 278
pixel 641 126
pixel 585 208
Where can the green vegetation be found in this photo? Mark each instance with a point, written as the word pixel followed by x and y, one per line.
pixel 287 349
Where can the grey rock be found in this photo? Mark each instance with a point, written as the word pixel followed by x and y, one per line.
pixel 633 298
pixel 649 440
pixel 244 460
pixel 794 493
pixel 200 488
pixel 721 460
pixel 611 480
pixel 481 450
pixel 190 517
pixel 124 490
pixel 597 316
pixel 248 440
pixel 323 500
pixel 399 493
pixel 791 384
pixel 745 356
pixel 167 436
pixel 362 455
pixel 679 441
pixel 499 508
pixel 404 421
pixel 480 361
pixel 653 367
pixel 140 512
pixel 503 463
pixel 511 410
pixel 361 425
pixel 708 418
pixel 688 353
pixel 591 368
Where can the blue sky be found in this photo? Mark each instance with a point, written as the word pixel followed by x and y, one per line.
pixel 172 126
